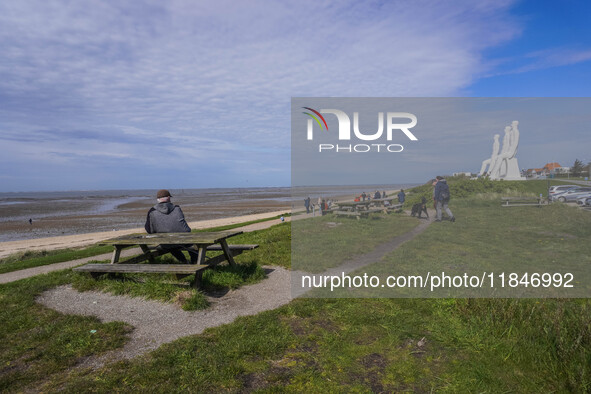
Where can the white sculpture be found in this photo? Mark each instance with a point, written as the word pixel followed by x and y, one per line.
pixel 505 165
pixel 493 158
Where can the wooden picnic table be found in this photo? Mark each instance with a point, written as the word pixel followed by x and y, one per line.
pixel 360 206
pixel 200 240
pixel 355 205
pixel 149 244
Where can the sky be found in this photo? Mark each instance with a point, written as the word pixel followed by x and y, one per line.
pixel 189 94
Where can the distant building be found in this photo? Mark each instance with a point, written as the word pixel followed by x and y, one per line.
pixel 550 168
pixel 562 170
pixel 535 172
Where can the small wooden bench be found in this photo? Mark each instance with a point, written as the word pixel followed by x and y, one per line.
pixel 180 270
pixel 356 214
pixel 522 201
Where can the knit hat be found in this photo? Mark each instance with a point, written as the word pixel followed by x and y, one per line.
pixel 163 193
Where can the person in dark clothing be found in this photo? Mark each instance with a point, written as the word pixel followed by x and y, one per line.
pixel 401 196
pixel 307 204
pixel 377 195
pixel 442 197
pixel 165 217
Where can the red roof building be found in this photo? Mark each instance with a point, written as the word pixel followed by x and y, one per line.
pixel 550 167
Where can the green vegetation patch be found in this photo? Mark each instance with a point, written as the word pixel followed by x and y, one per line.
pixel 30 259
pixel 488 237
pixel 462 187
pixel 326 242
pixel 37 342
pixel 371 345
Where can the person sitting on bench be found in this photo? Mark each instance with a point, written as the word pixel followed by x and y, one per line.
pixel 165 217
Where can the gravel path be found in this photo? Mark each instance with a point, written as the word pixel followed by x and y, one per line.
pixel 157 323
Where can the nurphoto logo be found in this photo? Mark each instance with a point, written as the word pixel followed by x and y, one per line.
pixel 344 130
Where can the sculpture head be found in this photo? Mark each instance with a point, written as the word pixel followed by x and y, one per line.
pixel 496 137
pixel 514 123
pixel 507 130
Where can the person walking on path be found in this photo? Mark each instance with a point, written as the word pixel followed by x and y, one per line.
pixel 307 204
pixel 433 182
pixel 165 217
pixel 401 196
pixel 442 197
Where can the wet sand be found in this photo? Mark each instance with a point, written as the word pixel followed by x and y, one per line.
pixel 50 221
pixel 81 240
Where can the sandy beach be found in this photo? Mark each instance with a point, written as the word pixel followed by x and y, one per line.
pixel 80 240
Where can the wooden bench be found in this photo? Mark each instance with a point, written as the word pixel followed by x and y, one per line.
pixel 522 201
pixel 356 214
pixel 180 270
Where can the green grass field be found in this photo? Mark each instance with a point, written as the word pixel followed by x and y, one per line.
pixel 337 345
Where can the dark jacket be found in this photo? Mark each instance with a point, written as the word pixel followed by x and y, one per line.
pixel 166 217
pixel 401 197
pixel 441 190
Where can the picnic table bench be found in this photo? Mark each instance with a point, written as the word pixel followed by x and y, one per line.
pixel 522 201
pixel 356 214
pixel 204 242
pixel 360 209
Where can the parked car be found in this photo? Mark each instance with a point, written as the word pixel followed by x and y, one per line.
pixel 584 200
pixel 571 194
pixel 559 189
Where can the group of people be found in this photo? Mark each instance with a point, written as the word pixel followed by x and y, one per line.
pixel 366 196
pixel 323 205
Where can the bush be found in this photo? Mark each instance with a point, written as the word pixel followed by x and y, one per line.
pixel 461 187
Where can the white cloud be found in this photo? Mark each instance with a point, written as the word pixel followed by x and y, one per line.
pixel 544 59
pixel 216 77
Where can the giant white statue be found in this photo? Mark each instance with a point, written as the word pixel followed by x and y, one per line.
pixel 504 165
pixel 490 163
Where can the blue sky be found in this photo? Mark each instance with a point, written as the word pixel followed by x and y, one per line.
pixel 180 94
